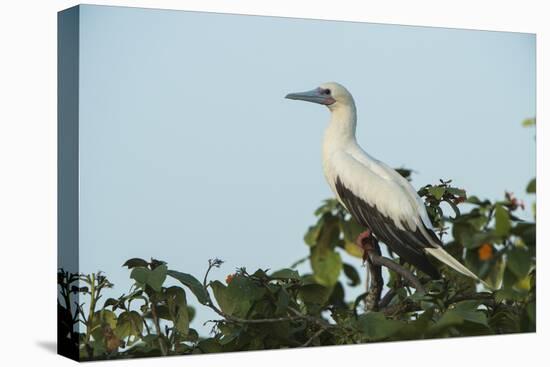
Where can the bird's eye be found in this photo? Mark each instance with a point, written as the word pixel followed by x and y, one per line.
pixel 327 92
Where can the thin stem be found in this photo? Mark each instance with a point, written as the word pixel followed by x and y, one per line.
pixel 489 218
pixel 212 263
pixel 205 280
pixel 157 327
pixel 317 334
pixel 91 309
pixel 401 308
pixel 147 327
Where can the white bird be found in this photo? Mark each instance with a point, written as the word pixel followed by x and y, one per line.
pixel 376 195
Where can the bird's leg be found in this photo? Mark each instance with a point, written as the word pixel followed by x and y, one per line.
pixel 370 247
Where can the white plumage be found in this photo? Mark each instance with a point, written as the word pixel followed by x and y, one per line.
pixel 375 194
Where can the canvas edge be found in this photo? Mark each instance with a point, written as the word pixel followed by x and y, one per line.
pixel 68 24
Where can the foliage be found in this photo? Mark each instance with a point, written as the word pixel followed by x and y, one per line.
pixel 284 309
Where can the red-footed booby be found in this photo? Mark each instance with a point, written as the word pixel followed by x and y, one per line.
pixel 375 195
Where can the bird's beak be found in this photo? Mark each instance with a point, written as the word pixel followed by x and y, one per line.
pixel 314 95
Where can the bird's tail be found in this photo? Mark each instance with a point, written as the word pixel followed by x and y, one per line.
pixel 446 258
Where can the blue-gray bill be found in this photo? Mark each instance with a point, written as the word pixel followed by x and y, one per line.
pixel 316 95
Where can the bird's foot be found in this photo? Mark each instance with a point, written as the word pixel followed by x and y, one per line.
pixel 365 241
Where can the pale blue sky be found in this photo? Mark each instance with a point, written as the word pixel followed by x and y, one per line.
pixel 188 150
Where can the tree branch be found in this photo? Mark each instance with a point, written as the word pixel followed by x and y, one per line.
pixel 404 272
pixel 372 255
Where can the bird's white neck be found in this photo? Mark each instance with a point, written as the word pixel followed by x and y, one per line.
pixel 340 132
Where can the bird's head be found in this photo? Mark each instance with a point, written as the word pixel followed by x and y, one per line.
pixel 330 94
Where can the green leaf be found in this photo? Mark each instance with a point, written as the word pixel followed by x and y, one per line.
pixel 140 275
pixel 494 277
pixel 502 221
pixel 480 238
pixel 532 186
pixel 337 297
pixel 326 265
pixel 135 262
pixel 529 122
pixel 328 206
pixel 454 207
pixel 191 312
pixel 286 274
pixel 505 320
pixel 470 237
pixel 449 318
pixel 157 277
pixel 110 302
pixel 437 191
pixel 507 292
pixel 330 233
pixel 192 283
pixel 220 294
pixel 468 310
pixel 352 274
pixel 177 306
pixel 462 312
pixel 129 323
pixel 155 263
pixel 527 232
pixel 283 300
pixel 375 326
pixel 351 229
pixel 153 278
pixel 519 262
pixel 405 172
pixel 456 192
pixel 104 317
pixel 313 232
pixel 210 345
pixel 313 293
pixel 473 200
pixel 531 311
pixel 164 313
pixel 353 249
pixel 238 297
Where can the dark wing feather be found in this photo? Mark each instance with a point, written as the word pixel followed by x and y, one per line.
pixel 407 244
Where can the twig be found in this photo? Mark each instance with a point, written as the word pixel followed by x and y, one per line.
pixel 385 301
pixel 298 316
pixel 212 263
pixel 298 262
pixel 400 308
pixel 260 321
pixel 147 327
pixel 310 340
pixel 485 297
